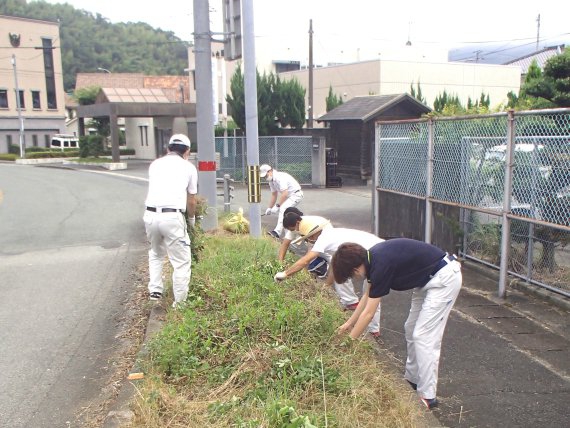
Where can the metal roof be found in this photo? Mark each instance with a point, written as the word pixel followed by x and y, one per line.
pixel 369 107
pixel 134 95
pixel 541 57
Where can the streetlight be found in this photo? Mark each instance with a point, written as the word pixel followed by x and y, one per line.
pixel 19 108
pixel 103 69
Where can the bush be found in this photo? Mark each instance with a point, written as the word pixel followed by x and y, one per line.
pixel 36 149
pixel 53 154
pixel 8 156
pixel 14 149
pixel 91 146
pixel 123 152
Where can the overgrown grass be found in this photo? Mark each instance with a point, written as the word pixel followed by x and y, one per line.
pixel 248 352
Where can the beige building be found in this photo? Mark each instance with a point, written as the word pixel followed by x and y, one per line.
pixel 388 77
pixel 33 58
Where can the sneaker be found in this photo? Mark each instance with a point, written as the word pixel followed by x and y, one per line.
pixel 273 234
pixel 375 334
pixel 351 307
pixel 413 385
pixel 430 403
pixel 155 295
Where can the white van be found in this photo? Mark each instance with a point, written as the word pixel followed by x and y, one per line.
pixel 63 141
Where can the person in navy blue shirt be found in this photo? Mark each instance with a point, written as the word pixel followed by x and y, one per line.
pixel 405 264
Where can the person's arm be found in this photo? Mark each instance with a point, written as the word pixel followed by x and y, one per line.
pixel 283 197
pixel 191 208
pixel 361 317
pixel 283 248
pixel 297 266
pixel 273 199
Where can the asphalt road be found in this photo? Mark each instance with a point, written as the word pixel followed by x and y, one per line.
pixel 68 242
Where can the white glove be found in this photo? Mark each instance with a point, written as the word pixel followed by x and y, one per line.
pixel 280 276
pixel 275 209
pixel 268 211
pixel 192 221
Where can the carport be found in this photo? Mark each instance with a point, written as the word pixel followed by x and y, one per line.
pixel 145 103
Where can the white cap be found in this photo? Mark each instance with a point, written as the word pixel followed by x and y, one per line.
pixel 179 139
pixel 263 170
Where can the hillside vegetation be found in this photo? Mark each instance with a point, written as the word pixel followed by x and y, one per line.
pixel 90 41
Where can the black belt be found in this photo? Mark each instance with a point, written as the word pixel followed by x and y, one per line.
pixel 164 210
pixel 443 263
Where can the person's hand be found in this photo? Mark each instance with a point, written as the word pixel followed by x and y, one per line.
pixel 268 211
pixel 345 328
pixel 192 221
pixel 280 276
pixel 275 209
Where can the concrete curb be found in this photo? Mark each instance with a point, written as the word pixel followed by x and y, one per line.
pixel 120 413
pixel 521 285
pixel 111 166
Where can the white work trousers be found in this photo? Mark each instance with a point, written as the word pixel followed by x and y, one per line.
pixel 350 292
pixel 167 235
pixel 292 201
pixel 431 305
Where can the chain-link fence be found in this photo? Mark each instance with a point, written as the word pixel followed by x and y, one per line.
pixel 508 172
pixel 288 154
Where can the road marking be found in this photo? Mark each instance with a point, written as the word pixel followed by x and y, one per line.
pixel 117 175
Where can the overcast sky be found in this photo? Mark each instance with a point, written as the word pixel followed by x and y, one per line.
pixel 359 29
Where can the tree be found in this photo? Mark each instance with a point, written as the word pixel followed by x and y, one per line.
pixel 554 83
pixel 417 92
pixel 332 100
pixel 278 103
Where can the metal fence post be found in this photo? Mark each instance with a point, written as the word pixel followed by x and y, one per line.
pixel 376 184
pixel 505 221
pixel 429 184
pixel 228 195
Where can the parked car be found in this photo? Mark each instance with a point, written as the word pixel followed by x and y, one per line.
pixel 64 141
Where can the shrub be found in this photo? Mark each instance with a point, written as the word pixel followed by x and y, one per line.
pixel 91 146
pixel 8 156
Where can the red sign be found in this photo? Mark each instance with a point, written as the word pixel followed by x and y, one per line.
pixel 207 166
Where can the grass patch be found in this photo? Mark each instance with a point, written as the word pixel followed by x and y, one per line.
pixel 91 160
pixel 248 352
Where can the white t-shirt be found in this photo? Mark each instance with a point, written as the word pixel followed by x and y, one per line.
pixel 294 234
pixel 331 238
pixel 283 181
pixel 170 179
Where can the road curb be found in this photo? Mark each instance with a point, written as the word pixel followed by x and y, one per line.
pixel 121 413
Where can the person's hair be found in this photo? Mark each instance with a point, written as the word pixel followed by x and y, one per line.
pixel 178 148
pixel 347 258
pixel 291 217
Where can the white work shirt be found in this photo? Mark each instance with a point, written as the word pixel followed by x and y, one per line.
pixel 291 235
pixel 283 181
pixel 170 179
pixel 331 238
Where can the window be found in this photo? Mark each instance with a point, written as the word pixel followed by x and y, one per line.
pixel 35 140
pixel 36 102
pixel 46 140
pixel 50 74
pixel 22 99
pixel 3 98
pixel 9 141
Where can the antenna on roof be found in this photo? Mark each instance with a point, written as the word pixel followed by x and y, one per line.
pixel 537 30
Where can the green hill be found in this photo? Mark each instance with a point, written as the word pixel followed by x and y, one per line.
pixel 90 41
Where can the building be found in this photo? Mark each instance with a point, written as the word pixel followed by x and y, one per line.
pixel 30 65
pixel 541 57
pixel 386 77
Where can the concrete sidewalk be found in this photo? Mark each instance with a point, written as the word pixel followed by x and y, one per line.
pixel 504 362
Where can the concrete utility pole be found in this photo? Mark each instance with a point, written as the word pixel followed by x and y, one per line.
pixel 252 133
pixel 19 107
pixel 310 121
pixel 205 120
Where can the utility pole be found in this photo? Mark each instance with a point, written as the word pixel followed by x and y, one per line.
pixel 537 30
pixel 310 121
pixel 205 120
pixel 19 107
pixel 252 132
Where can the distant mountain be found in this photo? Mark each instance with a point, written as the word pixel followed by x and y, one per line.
pixel 90 41
pixel 501 53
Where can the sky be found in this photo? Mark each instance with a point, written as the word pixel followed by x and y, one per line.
pixel 359 29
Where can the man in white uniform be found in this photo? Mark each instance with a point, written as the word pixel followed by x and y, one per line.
pixel 285 192
pixel 326 240
pixel 172 187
